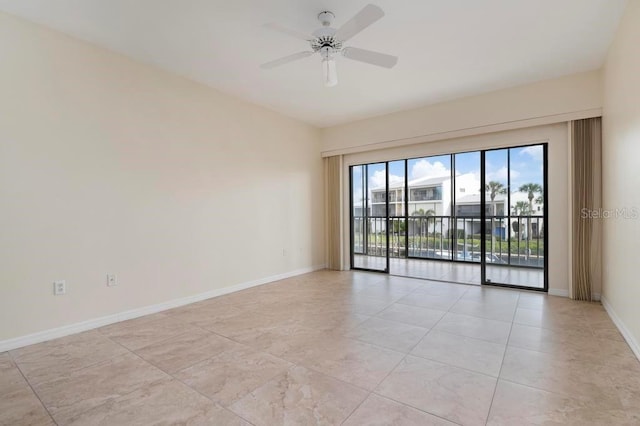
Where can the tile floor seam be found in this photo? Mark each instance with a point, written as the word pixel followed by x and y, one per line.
pixel 431 329
pixel 396 366
pixel 293 364
pixel 427 330
pixel 383 347
pixel 435 309
pixel 172 377
pixel 93 364
pixel 477 339
pixel 356 409
pixel 108 401
pixel 209 399
pixel 169 376
pixel 32 389
pixel 504 354
pixel 164 339
pixel 353 384
pixel 229 337
pixel 457 366
pixel 331 377
pixel 408 323
pixel 565 395
pixel 554 392
pixel 415 408
pixel 471 337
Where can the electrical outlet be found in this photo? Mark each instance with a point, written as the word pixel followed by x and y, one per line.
pixel 59 288
pixel 112 280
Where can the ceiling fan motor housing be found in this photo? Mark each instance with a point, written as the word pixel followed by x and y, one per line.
pixel 324 41
pixel 326 18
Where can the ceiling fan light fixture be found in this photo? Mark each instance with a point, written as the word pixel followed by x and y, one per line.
pixel 329 72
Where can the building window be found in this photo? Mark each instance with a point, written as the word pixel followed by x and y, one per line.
pixel 426 194
pixel 379 197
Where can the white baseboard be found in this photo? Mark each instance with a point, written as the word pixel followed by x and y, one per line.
pixel 631 341
pixel 558 292
pixel 54 333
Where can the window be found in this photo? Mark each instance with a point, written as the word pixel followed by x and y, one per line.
pixel 379 196
pixel 426 194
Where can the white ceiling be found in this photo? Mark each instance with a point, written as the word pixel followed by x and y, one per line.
pixel 448 48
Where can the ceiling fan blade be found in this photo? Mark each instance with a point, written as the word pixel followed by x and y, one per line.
pixel 370 57
pixel 367 16
pixel 285 60
pixel 288 31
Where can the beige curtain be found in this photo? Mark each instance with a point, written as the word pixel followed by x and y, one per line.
pixel 586 149
pixel 333 196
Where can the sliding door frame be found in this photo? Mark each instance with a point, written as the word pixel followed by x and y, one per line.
pixel 483 239
pixel 365 216
pixel 483 223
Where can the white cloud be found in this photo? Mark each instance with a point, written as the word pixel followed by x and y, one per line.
pixel 501 174
pixel 535 152
pixel 424 168
pixel 378 179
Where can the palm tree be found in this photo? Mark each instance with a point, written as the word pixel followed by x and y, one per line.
pixel 494 188
pixel 531 189
pixel 421 212
pixel 521 208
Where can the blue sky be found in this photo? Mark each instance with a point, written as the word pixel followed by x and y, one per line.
pixel 526 167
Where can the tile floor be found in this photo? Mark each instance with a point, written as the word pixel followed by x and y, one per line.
pixel 336 348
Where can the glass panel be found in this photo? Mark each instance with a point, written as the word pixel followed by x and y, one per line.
pixel 373 226
pixel 496 199
pixel 466 232
pixel 397 222
pixel 515 239
pixel 429 207
pixel 358 210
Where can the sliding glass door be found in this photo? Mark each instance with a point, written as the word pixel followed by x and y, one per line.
pixel 473 217
pixel 369 219
pixel 515 214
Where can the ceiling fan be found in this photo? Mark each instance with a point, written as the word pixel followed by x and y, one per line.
pixel 328 42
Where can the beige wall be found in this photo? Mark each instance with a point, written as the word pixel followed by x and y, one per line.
pixel 558 159
pixel 550 101
pixel 110 166
pixel 621 174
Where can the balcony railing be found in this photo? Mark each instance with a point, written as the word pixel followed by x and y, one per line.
pixel 510 240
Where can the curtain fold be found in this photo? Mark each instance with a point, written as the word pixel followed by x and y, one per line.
pixel 333 194
pixel 586 148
